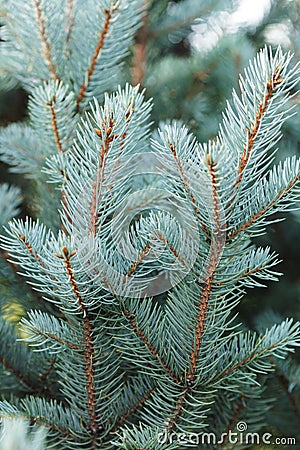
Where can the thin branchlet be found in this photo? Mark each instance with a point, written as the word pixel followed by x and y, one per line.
pixel 212 172
pixel 247 360
pixel 171 422
pixel 89 350
pixel 131 319
pixel 70 22
pixel 203 303
pixel 238 408
pixel 45 39
pixel 171 248
pixel 290 394
pixel 107 136
pixel 139 404
pixel 187 186
pixel 44 421
pixel 55 338
pixel 31 251
pixel 20 376
pixel 57 137
pixel 100 44
pixel 208 282
pixel 265 209
pixel 255 126
pixel 138 262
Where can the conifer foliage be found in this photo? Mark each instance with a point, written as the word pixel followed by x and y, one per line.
pixel 130 334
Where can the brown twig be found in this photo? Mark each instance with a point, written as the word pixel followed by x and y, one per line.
pixel 51 104
pixel 254 129
pixel 171 248
pixel 208 283
pixel 106 131
pixel 186 185
pixel 30 249
pixel 204 298
pixel 212 172
pixel 44 37
pixel 133 409
pixel 57 339
pixel 239 409
pixel 200 325
pixel 246 361
pixel 177 411
pixel 44 421
pixel 70 21
pixel 268 206
pixel 285 383
pixel 99 47
pixel 16 373
pixel 88 349
pixel 138 262
pixel 131 319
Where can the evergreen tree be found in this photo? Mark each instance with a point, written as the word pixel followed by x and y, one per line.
pixel 141 240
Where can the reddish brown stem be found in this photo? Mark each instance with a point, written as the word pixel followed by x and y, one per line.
pixel 54 124
pixel 16 373
pixel 57 339
pixel 44 37
pixel 213 176
pixel 208 283
pixel 252 133
pixel 69 19
pixel 89 350
pixel 239 409
pixel 186 185
pixel 177 412
pixel 106 131
pixel 30 249
pixel 137 263
pixel 172 249
pixel 134 408
pixel 92 66
pixel 292 398
pixel 268 206
pixel 145 340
